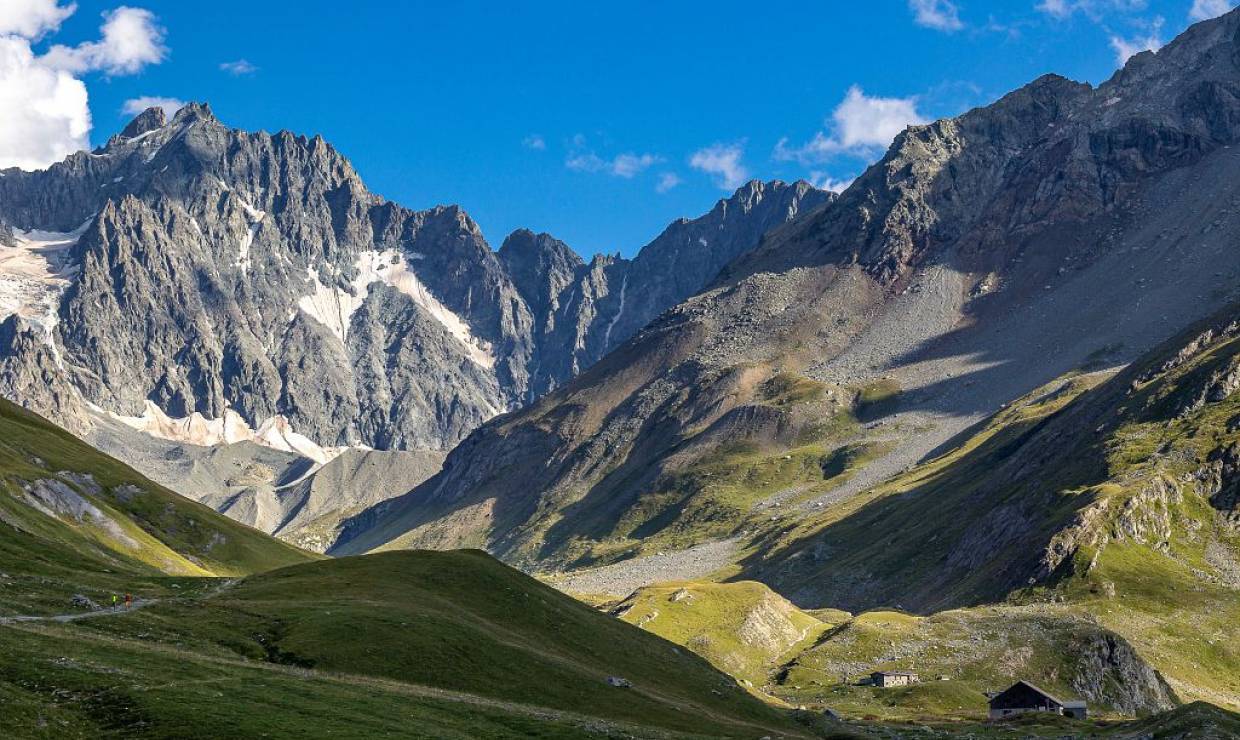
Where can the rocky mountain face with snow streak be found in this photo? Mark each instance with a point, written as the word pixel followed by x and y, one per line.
pixel 585 310
pixel 191 276
pixel 1064 225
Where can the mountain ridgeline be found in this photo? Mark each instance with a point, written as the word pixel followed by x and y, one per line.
pixel 1064 225
pixel 189 268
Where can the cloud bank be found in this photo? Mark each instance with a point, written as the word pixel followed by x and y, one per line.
pixel 941 15
pixel 44 101
pixel 1204 10
pixel 723 163
pixel 1125 48
pixel 860 125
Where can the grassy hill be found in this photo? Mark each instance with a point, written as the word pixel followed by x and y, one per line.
pixel 1086 538
pixel 75 521
pixel 961 654
pixel 1099 498
pixel 404 644
pixel 744 629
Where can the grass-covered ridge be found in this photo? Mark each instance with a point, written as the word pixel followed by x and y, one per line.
pixel 1106 499
pixel 792 438
pixel 744 629
pixel 413 643
pixel 73 520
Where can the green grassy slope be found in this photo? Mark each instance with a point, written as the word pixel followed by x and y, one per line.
pixel 820 659
pixel 415 643
pixel 962 654
pixel 73 520
pixel 754 431
pixel 1107 499
pixel 744 629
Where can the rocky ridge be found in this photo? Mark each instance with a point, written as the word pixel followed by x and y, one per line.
pixel 217 271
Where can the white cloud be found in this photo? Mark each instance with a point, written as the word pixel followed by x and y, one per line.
pixel 535 142
pixel 131 40
pixel 238 68
pixel 134 106
pixel 45 115
pixel 585 162
pixel 824 181
pixel 1126 48
pixel 667 181
pixel 1206 9
pixel 860 124
pixel 723 161
pixel 627 165
pixel 1091 8
pixel 31 19
pixel 1057 8
pixel 941 15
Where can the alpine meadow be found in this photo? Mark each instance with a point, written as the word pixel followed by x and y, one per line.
pixel 920 422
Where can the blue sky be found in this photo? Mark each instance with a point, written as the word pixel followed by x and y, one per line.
pixel 601 122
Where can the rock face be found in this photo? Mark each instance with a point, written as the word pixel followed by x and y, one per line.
pixel 206 270
pixel 983 256
pixel 1109 670
pixel 585 310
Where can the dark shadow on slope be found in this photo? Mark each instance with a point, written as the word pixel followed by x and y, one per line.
pixel 966 536
pixel 981 526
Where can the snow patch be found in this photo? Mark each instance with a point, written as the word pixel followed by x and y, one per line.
pixel 251 211
pixel 624 284
pixel 389 267
pixel 256 217
pixel 334 307
pixel 145 135
pixel 276 432
pixel 331 307
pixel 34 274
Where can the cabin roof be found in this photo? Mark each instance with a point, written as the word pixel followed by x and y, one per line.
pixel 1039 690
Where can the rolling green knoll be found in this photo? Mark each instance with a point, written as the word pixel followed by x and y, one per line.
pixel 369 645
pixel 133 533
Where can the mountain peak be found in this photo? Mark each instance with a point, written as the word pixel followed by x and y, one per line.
pixel 148 120
pixel 194 111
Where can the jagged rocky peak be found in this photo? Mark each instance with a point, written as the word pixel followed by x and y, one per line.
pixel 540 265
pixel 1053 149
pixel 202 269
pixel 146 121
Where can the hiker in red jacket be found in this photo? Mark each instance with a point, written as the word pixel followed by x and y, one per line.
pixel 128 600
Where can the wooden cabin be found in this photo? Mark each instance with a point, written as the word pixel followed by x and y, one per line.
pixel 1024 697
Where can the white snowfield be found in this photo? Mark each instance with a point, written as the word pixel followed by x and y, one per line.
pixel 334 308
pixel 34 274
pixel 196 429
pixel 624 285
pixel 256 217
